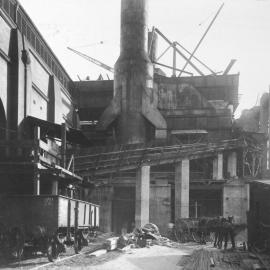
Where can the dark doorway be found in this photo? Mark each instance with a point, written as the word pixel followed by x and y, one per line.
pixel 123 209
pixel 205 203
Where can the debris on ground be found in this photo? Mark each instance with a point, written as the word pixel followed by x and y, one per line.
pixel 98 253
pixel 127 249
pixel 263 259
pixel 111 243
pixel 146 236
pixel 140 237
pixel 206 259
pixel 201 259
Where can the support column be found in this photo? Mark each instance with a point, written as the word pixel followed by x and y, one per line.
pixel 106 211
pixel 182 189
pixel 236 198
pixel 63 144
pixel 36 161
pixel 54 187
pixel 232 165
pixel 218 167
pixel 142 196
pixel 36 182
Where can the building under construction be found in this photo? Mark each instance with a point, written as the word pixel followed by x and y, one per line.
pixel 146 147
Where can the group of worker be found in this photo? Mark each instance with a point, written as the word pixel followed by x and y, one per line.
pixel 223 230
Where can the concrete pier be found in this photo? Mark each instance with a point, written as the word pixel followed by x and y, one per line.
pixel 236 200
pixel 55 187
pixel 182 189
pixel 232 164
pixel 36 182
pixel 142 196
pixel 218 167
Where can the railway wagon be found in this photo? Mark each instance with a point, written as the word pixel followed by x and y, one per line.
pixel 45 223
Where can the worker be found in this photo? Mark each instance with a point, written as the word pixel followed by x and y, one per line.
pixel 228 231
pixel 217 231
pixel 231 231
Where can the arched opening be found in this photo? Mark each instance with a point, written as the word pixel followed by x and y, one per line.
pixel 3 121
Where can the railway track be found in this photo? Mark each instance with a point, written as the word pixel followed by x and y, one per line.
pixel 41 262
pixel 60 260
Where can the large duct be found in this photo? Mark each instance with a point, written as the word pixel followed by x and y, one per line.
pixel 132 107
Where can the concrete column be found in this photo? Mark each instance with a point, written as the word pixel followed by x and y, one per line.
pixel 36 182
pixel 28 78
pixel 142 196
pixel 218 167
pixel 55 101
pixel 106 210
pixel 36 160
pixel 182 189
pixel 232 164
pixel 236 199
pixel 55 187
pixel 63 144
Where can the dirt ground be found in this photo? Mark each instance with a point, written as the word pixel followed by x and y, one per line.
pixel 40 261
pixel 155 257
pixel 152 258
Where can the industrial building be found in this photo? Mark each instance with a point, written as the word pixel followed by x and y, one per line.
pixel 36 98
pixel 146 147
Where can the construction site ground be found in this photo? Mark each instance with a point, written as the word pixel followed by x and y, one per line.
pixel 170 255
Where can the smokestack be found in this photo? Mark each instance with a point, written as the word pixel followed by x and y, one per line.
pixel 134 31
pixel 133 79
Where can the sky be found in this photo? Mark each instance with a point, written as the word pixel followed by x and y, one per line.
pixel 241 32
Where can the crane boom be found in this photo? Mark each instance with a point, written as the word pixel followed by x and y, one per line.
pixel 93 60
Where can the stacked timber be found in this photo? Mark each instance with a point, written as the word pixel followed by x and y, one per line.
pixel 206 259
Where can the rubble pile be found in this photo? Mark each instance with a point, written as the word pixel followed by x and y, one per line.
pixel 146 236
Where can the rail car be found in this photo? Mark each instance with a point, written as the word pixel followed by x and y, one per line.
pixel 45 223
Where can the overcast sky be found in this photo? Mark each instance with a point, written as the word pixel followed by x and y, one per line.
pixel 241 31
